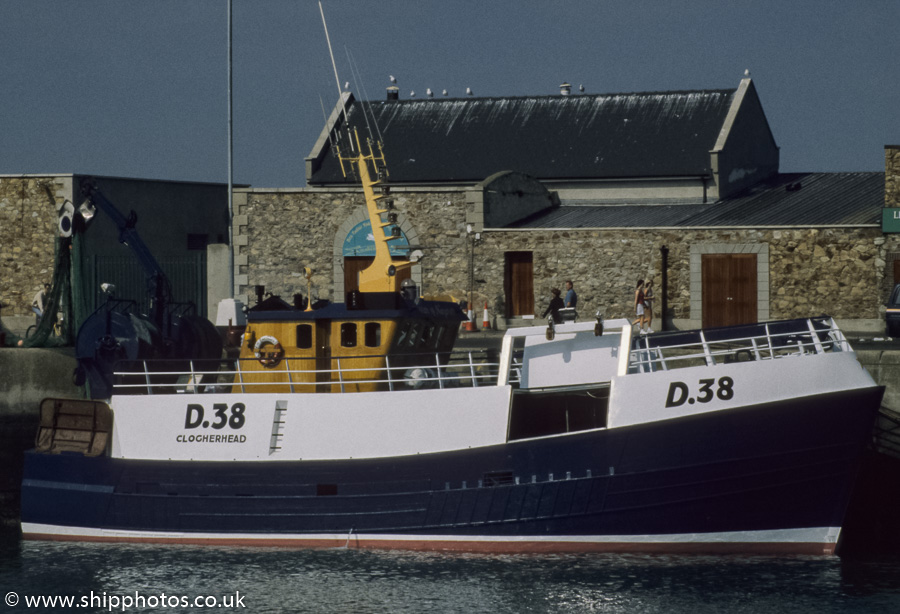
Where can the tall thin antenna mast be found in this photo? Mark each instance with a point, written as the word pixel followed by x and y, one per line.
pixel 337 80
pixel 230 171
pixel 357 80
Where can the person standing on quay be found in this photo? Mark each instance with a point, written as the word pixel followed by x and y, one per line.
pixel 39 303
pixel 648 304
pixel 556 303
pixel 571 297
pixel 639 305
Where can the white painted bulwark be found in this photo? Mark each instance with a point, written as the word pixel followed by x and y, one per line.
pixel 218 427
pixel 663 395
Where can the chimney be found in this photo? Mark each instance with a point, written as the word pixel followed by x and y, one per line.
pixel 565 89
pixel 393 92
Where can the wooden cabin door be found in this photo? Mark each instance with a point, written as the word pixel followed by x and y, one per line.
pixel 323 355
pixel 729 289
pixel 519 284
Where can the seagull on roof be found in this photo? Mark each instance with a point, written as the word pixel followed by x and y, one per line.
pixel 468 91
pixel 346 85
pixel 581 88
pixel 392 78
pixel 746 72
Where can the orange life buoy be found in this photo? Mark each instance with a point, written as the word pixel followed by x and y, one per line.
pixel 268 358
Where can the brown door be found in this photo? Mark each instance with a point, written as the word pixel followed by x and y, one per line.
pixel 519 284
pixel 323 355
pixel 354 264
pixel 729 289
pixel 897 271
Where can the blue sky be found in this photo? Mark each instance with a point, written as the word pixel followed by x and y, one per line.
pixel 138 89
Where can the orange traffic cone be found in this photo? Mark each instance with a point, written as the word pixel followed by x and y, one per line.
pixel 486 322
pixel 470 324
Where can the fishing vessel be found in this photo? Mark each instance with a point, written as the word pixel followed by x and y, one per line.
pixel 357 424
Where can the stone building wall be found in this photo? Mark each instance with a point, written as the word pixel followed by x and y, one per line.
pixel 279 232
pixel 891 199
pixel 811 271
pixel 839 271
pixel 28 228
pixel 892 176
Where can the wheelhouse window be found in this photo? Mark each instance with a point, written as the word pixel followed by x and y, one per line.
pixel 439 336
pixel 304 336
pixel 413 336
pixel 403 334
pixel 348 334
pixel 372 332
pixel 427 335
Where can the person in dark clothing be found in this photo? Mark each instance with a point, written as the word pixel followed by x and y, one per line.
pixel 556 303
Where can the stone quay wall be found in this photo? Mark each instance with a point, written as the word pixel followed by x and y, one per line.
pixel 843 272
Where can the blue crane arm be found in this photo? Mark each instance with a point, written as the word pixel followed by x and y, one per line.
pixel 157 282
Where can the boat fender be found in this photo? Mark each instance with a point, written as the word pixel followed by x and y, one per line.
pixel 268 358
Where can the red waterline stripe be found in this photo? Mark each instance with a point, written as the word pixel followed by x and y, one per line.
pixel 495 547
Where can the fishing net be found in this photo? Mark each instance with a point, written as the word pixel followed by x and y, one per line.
pixel 65 307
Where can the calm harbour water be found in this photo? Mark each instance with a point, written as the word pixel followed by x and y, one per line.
pixel 351 581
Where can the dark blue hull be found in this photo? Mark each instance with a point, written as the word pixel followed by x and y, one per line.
pixel 744 476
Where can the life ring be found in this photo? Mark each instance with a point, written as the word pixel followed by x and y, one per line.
pixel 268 358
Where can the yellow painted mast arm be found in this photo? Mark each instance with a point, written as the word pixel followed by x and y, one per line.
pixel 381 275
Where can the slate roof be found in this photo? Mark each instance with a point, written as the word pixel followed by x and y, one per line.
pixel 786 199
pixel 658 134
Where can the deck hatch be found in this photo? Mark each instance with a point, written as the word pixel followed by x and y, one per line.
pixel 551 412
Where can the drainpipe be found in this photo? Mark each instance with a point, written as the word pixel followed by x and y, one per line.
pixel 664 252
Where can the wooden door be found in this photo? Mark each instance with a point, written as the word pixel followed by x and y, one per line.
pixel 897 271
pixel 519 284
pixel 729 289
pixel 322 343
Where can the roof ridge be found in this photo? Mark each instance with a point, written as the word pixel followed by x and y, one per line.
pixel 548 96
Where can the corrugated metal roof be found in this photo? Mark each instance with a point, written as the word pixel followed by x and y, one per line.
pixel 550 137
pixel 788 199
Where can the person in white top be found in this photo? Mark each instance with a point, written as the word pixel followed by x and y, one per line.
pixel 40 303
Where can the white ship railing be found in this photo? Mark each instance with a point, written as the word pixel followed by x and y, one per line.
pixel 439 370
pixel 764 341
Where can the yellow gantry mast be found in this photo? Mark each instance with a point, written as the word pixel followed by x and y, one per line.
pixel 381 275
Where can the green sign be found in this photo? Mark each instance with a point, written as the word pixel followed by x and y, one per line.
pixel 890 219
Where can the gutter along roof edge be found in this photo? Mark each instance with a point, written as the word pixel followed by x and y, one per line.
pixel 723 227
